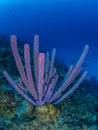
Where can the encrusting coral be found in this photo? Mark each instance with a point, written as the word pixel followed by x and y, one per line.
pixel 46 113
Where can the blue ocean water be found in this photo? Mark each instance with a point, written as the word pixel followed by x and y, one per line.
pixel 66 25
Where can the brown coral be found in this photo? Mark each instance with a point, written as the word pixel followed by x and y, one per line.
pixel 46 113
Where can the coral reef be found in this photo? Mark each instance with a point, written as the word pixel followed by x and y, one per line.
pixel 78 112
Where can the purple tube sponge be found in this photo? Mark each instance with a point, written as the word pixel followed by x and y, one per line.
pixel 40 87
